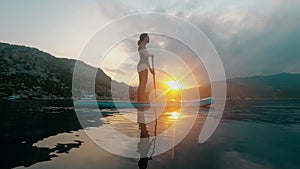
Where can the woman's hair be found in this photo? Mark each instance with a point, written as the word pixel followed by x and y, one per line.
pixel 142 37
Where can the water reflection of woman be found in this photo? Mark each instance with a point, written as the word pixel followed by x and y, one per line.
pixel 144 144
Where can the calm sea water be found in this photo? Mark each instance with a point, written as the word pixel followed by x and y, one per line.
pixel 252 134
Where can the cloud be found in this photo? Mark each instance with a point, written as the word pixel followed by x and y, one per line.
pixel 113 9
pixel 251 37
pixel 113 71
pixel 254 39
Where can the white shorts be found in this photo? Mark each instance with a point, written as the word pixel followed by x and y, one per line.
pixel 142 67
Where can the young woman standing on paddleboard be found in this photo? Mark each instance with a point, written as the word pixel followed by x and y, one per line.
pixel 143 66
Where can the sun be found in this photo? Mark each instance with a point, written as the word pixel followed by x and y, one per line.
pixel 174 85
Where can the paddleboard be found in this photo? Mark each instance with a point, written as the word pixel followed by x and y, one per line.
pixel 205 102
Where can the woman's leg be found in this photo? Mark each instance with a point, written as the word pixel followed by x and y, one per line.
pixel 143 77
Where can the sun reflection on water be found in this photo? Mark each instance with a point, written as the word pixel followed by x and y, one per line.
pixel 174 116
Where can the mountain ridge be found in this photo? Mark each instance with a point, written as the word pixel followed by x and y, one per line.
pixel 281 85
pixel 32 73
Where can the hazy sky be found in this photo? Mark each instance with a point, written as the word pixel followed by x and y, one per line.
pixel 252 37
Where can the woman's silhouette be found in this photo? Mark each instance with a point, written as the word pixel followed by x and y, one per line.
pixel 143 66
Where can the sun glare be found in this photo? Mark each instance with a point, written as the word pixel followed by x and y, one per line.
pixel 174 115
pixel 174 85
